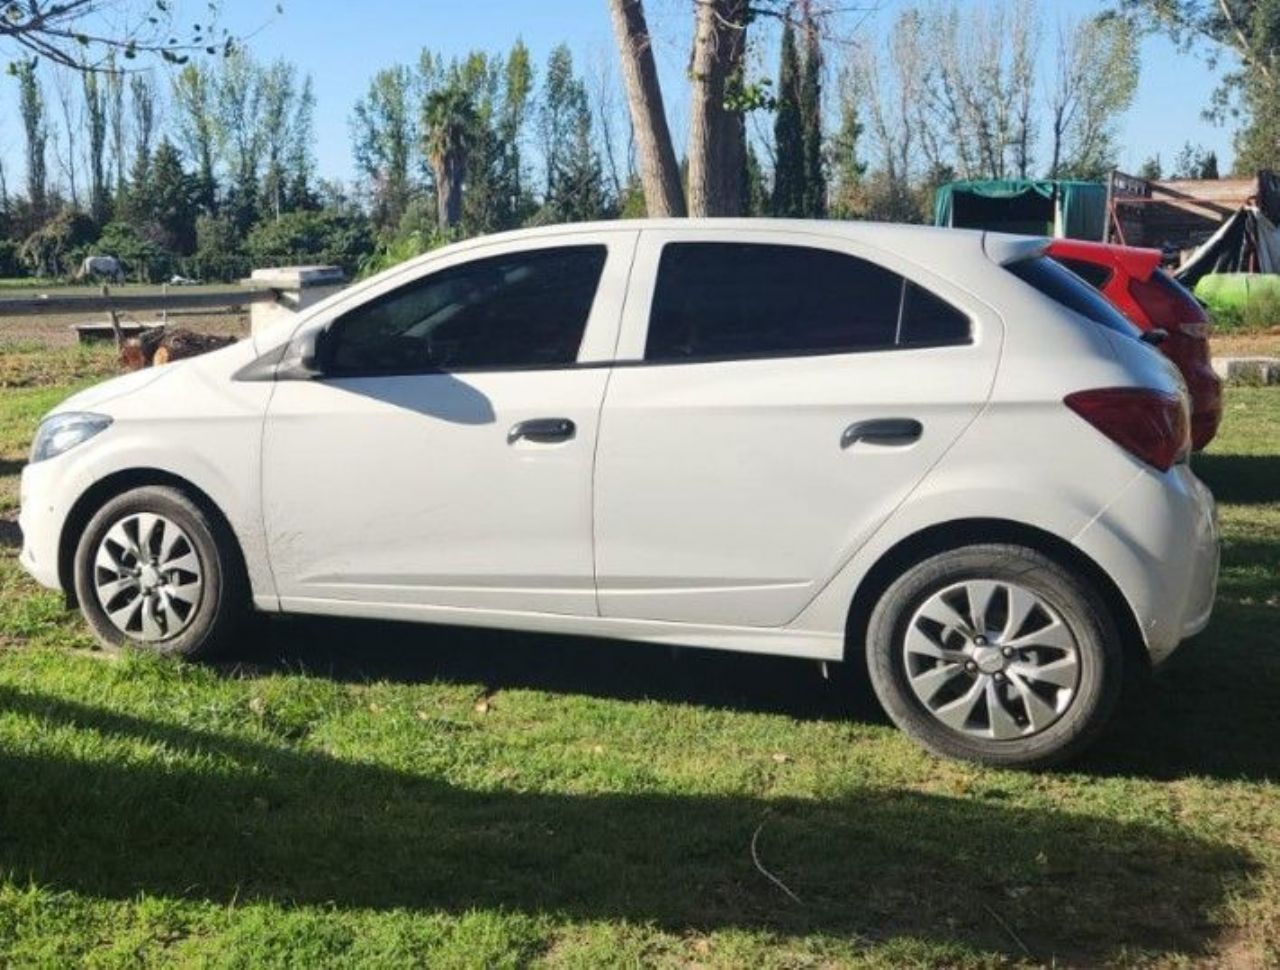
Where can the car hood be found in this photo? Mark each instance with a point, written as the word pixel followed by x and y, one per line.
pixel 93 398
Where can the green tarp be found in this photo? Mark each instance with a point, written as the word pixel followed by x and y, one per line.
pixel 1027 206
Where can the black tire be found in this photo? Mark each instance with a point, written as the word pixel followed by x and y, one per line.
pixel 1100 655
pixel 223 598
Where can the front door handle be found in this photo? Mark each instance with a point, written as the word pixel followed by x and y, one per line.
pixel 893 432
pixel 542 430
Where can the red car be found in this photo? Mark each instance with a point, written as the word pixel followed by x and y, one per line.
pixel 1132 279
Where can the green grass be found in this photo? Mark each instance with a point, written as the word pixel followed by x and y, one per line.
pixel 367 794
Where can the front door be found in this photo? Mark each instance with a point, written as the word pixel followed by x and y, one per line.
pixel 444 459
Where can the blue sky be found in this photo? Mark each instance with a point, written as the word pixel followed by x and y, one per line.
pixel 342 43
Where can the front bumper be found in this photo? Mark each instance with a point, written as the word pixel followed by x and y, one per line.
pixel 41 517
pixel 1159 541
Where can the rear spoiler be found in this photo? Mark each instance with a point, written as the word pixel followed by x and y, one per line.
pixel 1003 248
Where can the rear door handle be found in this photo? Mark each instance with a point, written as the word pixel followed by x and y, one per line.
pixel 542 430
pixel 893 432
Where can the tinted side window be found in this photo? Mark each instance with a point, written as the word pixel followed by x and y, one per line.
pixel 1062 286
pixel 1094 274
pixel 517 310
pixel 929 320
pixel 718 300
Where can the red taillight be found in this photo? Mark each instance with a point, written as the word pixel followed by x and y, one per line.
pixel 1150 425
pixel 1170 305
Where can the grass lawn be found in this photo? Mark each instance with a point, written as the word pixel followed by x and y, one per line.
pixel 368 794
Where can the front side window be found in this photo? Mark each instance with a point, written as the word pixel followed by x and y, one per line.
pixel 727 300
pixel 518 310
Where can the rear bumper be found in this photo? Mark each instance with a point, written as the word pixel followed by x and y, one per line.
pixel 1159 541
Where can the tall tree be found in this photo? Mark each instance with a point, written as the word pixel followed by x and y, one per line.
pixel 846 163
pixel 978 87
pixel 196 127
pixel 143 102
pixel 173 201
pixel 66 87
pixel 36 131
pixel 717 131
pixel 890 86
pixel 788 131
pixel 1194 162
pixel 814 196
pixel 516 94
pixel 117 125
pixel 449 122
pixel 240 134
pixel 656 157
pixel 1250 31
pixel 286 120
pixel 1094 83
pixel 385 132
pixel 95 105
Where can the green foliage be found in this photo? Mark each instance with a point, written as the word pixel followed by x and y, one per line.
pixel 1195 162
pixel 396 249
pixel 51 249
pixel 814 184
pixel 574 188
pixel 1152 168
pixel 141 258
pixel 384 133
pixel 311 236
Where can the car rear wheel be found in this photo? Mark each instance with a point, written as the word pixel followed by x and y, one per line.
pixel 997 654
pixel 153 571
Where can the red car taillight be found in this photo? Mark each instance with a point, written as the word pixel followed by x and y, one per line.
pixel 1151 426
pixel 1170 305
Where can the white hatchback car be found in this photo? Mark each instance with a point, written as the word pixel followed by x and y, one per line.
pixel 812 439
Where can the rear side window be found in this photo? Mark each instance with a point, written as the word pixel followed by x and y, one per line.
pixel 1062 286
pixel 1095 274
pixel 728 300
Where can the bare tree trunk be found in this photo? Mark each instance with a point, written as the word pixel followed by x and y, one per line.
pixel 659 172
pixel 449 192
pixel 717 145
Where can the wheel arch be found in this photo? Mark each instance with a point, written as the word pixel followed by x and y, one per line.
pixel 960 532
pixel 117 483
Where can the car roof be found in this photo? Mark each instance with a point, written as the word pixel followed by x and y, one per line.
pixel 1132 261
pixel 909 240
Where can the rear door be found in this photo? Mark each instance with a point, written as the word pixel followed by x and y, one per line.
pixel 777 394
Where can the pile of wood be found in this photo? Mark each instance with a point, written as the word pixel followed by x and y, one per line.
pixel 161 345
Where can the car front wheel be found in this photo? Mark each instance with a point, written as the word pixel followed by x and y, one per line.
pixel 997 654
pixel 154 571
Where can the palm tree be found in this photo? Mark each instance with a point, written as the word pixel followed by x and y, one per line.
pixel 450 120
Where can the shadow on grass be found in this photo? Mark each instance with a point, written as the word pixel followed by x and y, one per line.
pixel 358 650
pixel 267 823
pixel 1210 711
pixel 1243 479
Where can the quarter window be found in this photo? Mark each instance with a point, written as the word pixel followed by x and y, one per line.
pixel 519 310
pixel 727 300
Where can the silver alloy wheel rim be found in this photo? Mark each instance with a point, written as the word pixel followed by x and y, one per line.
pixel 991 659
pixel 148 577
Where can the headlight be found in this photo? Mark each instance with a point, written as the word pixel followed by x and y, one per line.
pixel 61 432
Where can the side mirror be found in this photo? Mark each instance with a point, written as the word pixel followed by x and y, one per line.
pixel 301 360
pixel 297 360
